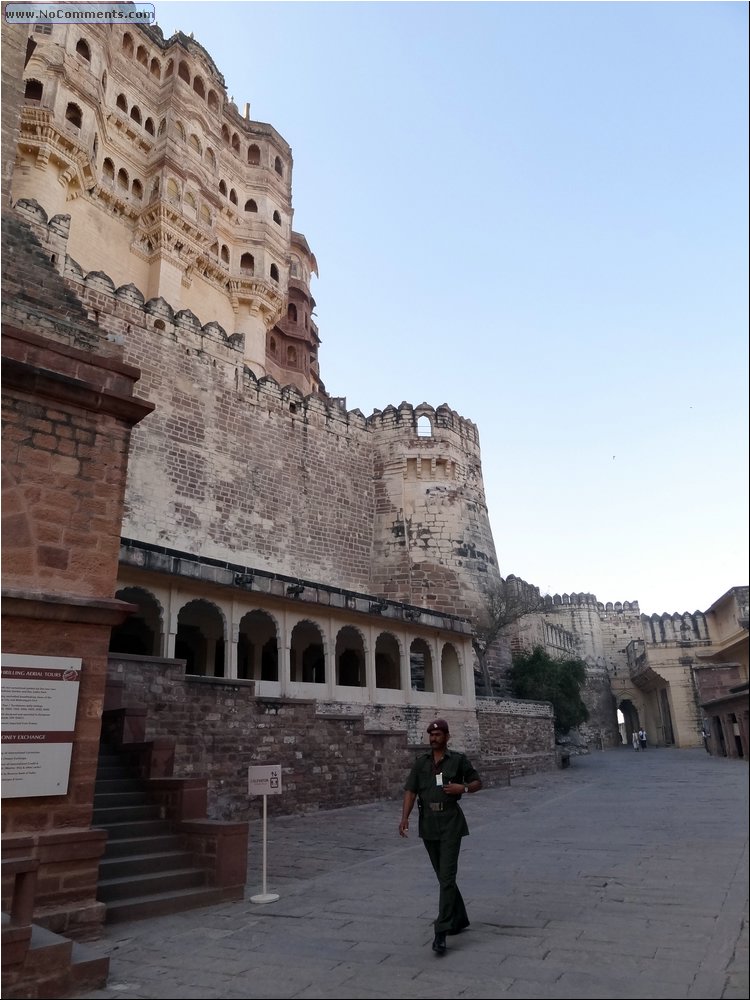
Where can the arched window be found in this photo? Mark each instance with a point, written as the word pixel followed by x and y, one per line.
pixel 223 188
pixel 149 126
pixel 278 166
pixel 123 181
pixel 156 68
pixel 173 192
pixel 253 155
pixel 236 142
pixel 162 127
pixel 195 143
pixel 273 345
pixel 104 81
pixel 424 427
pixel 247 263
pixel 213 100
pixel 277 218
pixel 83 50
pixel 211 158
pixel 291 356
pixel 127 44
pixel 108 170
pixel 199 88
pixel 95 146
pixel 137 190
pixel 291 313
pixel 205 215
pixel 224 253
pixel 33 91
pixel 183 72
pixel 170 68
pixel 251 206
pixel 180 130
pixel 73 115
pixel 142 56
pixel 225 134
pixel 274 273
pixel 135 114
pixel 191 206
pixel 122 103
pixel 233 196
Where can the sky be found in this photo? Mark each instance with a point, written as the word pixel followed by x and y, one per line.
pixel 537 214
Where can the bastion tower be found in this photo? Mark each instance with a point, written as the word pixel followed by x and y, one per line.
pixel 168 186
pixel 432 539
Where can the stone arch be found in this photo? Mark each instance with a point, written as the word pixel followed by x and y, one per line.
pixel 424 427
pixel 450 669
pixel 350 657
pixel 251 205
pixel 307 663
pixel 141 56
pixel 388 662
pixel 135 114
pixel 34 91
pixel 155 68
pixel 213 100
pixel 183 71
pixel 421 668
pixel 127 44
pixel 141 633
pixel 247 263
pixel 253 155
pixel 73 115
pixel 200 640
pixel 83 50
pixel 258 647
pixel 199 87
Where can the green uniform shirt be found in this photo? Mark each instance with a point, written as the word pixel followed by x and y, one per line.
pixel 455 768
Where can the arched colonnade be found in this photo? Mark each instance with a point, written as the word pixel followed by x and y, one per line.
pixel 293 650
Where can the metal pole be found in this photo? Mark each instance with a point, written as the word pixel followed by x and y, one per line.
pixel 264 897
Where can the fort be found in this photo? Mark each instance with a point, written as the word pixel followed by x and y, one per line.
pixel 251 572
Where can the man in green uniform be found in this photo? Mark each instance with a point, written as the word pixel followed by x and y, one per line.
pixel 438 780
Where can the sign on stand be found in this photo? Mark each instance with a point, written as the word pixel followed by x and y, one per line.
pixel 264 780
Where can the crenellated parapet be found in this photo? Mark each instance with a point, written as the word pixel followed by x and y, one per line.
pixel 683 628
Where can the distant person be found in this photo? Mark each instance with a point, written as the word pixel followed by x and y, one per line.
pixel 642 738
pixel 705 740
pixel 438 780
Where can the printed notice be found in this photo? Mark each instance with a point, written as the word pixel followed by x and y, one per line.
pixel 264 780
pixel 39 701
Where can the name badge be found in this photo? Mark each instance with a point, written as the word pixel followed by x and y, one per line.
pixel 439 780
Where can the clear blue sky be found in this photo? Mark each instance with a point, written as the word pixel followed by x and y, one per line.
pixel 536 213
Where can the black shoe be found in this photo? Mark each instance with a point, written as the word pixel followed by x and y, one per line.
pixel 438 945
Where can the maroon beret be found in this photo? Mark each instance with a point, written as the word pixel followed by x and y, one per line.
pixel 438 724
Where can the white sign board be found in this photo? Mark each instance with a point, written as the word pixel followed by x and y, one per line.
pixel 39 701
pixel 265 780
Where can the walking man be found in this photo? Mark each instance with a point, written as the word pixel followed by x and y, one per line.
pixel 437 781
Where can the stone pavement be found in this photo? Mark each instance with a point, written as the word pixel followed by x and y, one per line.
pixel 625 875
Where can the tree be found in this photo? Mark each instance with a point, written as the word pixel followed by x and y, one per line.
pixel 536 675
pixel 505 602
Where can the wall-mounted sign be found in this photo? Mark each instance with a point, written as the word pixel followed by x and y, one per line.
pixel 39 701
pixel 264 780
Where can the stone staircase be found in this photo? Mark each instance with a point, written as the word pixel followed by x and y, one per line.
pixel 148 868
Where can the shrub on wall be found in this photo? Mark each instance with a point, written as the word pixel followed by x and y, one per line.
pixel 536 675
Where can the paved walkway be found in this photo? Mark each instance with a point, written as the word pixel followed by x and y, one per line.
pixel 624 876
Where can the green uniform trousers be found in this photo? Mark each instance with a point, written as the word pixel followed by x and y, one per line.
pixel 443 853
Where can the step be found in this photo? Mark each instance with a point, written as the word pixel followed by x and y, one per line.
pixel 108 786
pixel 132 865
pixel 152 883
pixel 115 771
pixel 120 797
pixel 125 814
pixel 139 908
pixel 140 828
pixel 125 847
pixel 56 967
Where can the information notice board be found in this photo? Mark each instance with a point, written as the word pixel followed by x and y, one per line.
pixel 39 701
